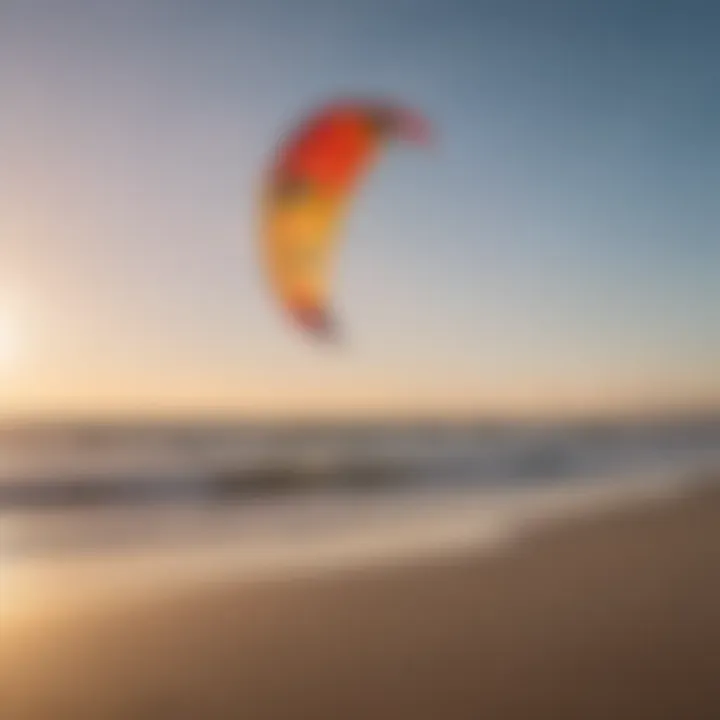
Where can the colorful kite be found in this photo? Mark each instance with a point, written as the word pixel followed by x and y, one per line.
pixel 310 185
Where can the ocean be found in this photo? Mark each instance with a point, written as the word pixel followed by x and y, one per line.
pixel 88 508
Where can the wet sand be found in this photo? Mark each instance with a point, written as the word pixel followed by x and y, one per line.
pixel 615 617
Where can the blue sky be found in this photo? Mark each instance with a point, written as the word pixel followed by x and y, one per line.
pixel 557 250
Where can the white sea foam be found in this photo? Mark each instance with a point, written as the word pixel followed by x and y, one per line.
pixel 163 548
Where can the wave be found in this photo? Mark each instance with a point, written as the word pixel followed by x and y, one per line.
pixel 95 466
pixel 280 541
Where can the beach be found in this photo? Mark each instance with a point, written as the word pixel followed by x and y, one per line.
pixel 615 615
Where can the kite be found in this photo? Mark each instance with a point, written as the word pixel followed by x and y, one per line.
pixel 312 181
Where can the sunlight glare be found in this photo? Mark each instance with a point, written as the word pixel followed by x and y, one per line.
pixel 9 340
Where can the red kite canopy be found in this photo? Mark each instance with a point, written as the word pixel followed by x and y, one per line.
pixel 307 193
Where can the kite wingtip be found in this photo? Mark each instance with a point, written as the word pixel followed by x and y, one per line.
pixel 415 128
pixel 318 323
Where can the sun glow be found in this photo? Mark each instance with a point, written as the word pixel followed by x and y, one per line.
pixel 9 339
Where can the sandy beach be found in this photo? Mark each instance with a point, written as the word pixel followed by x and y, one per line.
pixel 613 617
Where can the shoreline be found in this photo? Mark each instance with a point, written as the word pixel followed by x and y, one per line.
pixel 611 615
pixel 473 524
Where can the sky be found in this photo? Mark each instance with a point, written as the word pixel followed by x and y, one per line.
pixel 556 251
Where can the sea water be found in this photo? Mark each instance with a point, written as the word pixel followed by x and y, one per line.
pixel 90 510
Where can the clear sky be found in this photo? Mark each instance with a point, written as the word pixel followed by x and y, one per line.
pixel 558 250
